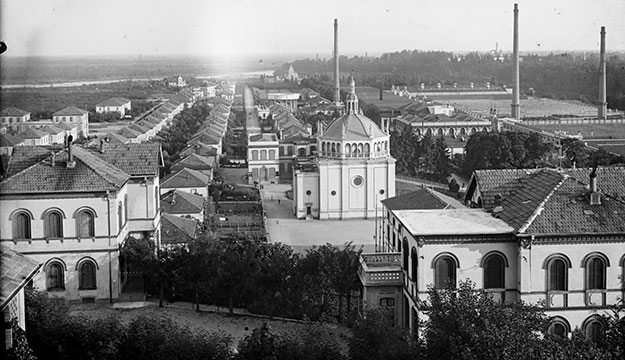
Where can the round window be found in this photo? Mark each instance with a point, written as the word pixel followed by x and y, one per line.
pixel 333 193
pixel 308 192
pixel 357 181
pixel 381 191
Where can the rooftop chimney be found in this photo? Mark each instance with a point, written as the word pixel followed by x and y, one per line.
pixel 337 90
pixel 603 105
pixel 595 196
pixel 52 158
pixel 515 107
pixel 70 157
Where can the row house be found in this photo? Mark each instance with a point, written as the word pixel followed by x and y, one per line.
pixel 44 132
pixel 116 104
pixel 203 164
pixel 181 203
pixel 75 222
pixel 74 116
pixel 178 230
pixel 544 236
pixel 189 180
pixel 13 118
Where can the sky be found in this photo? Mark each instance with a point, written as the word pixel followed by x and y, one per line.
pixel 235 28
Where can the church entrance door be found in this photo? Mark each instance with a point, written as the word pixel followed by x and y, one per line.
pixel 308 210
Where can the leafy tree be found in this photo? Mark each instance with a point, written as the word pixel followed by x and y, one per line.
pixel 576 151
pixel 375 336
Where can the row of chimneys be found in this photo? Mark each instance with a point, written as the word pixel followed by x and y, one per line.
pixel 515 106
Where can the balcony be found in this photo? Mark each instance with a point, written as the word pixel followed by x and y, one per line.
pixel 380 269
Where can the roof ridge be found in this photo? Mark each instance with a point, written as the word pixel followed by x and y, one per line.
pixel 541 205
pixel 79 152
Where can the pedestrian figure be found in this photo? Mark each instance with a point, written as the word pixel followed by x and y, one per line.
pixel 278 201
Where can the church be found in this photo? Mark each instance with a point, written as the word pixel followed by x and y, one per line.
pixel 353 170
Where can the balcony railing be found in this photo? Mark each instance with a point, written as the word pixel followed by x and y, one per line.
pixel 380 269
pixel 362 155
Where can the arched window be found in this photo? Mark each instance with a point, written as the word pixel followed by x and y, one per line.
pixel 557 274
pixel 55 276
pixel 86 275
pixel 348 148
pixel 272 154
pixel 414 263
pixel 594 329
pixel 21 226
pixel 263 154
pixel 301 152
pixel 85 224
pixel 595 266
pixel 405 254
pixel 445 272
pixel 367 150
pixel 254 154
pixel 53 224
pixel 494 271
pixel 558 326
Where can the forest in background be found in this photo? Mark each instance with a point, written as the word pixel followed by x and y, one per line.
pixel 559 76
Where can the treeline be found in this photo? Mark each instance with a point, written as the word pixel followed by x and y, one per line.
pixel 560 76
pixel 247 272
pixel 422 156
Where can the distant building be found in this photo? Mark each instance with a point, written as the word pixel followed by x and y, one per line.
pixel 176 81
pixel 8 142
pixel 13 118
pixel 116 104
pixel 183 204
pixel 178 230
pixel 191 181
pixel 262 158
pixel 74 115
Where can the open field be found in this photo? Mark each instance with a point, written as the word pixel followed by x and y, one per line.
pixel 371 95
pixel 531 107
pixel 588 131
pixel 100 129
pixel 182 313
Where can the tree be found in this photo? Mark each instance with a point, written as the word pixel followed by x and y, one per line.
pixel 576 151
pixel 375 336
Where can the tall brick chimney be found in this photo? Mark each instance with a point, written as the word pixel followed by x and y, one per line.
pixel 337 89
pixel 515 107
pixel 603 104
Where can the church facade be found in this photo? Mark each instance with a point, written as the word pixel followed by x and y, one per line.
pixel 353 170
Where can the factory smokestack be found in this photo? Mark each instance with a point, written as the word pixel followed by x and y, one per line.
pixel 603 104
pixel 515 107
pixel 337 89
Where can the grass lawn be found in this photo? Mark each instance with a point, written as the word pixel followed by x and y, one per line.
pixel 236 325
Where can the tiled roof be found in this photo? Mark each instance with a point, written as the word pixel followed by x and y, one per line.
pixel 129 133
pixel 70 111
pixel 65 126
pixel 182 202
pixel 51 129
pixel 116 101
pixel 17 270
pixel 185 178
pixel 90 174
pixel 205 138
pixel 200 149
pixel 355 127
pixel 117 138
pixel 195 162
pixel 549 201
pixel 139 128
pixel 419 199
pixel 7 140
pixel 11 111
pixel 266 137
pixel 31 133
pixel 177 230
pixel 26 156
pixel 135 159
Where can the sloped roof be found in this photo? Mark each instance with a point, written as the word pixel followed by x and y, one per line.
pixel 16 270
pixel 70 111
pixel 90 174
pixel 26 156
pixel 135 159
pixel 195 162
pixel 205 138
pixel 11 111
pixel 355 126
pixel 117 138
pixel 129 133
pixel 201 149
pixel 177 230
pixel 266 137
pixel 65 126
pixel 185 178
pixel 182 202
pixel 116 101
pixel 8 140
pixel 51 129
pixel 419 199
pixel 31 133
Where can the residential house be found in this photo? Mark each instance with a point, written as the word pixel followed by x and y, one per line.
pixel 262 158
pixel 116 104
pixel 34 137
pixel 184 204
pixel 203 164
pixel 8 142
pixel 177 230
pixel 13 118
pixel 74 115
pixel 188 180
